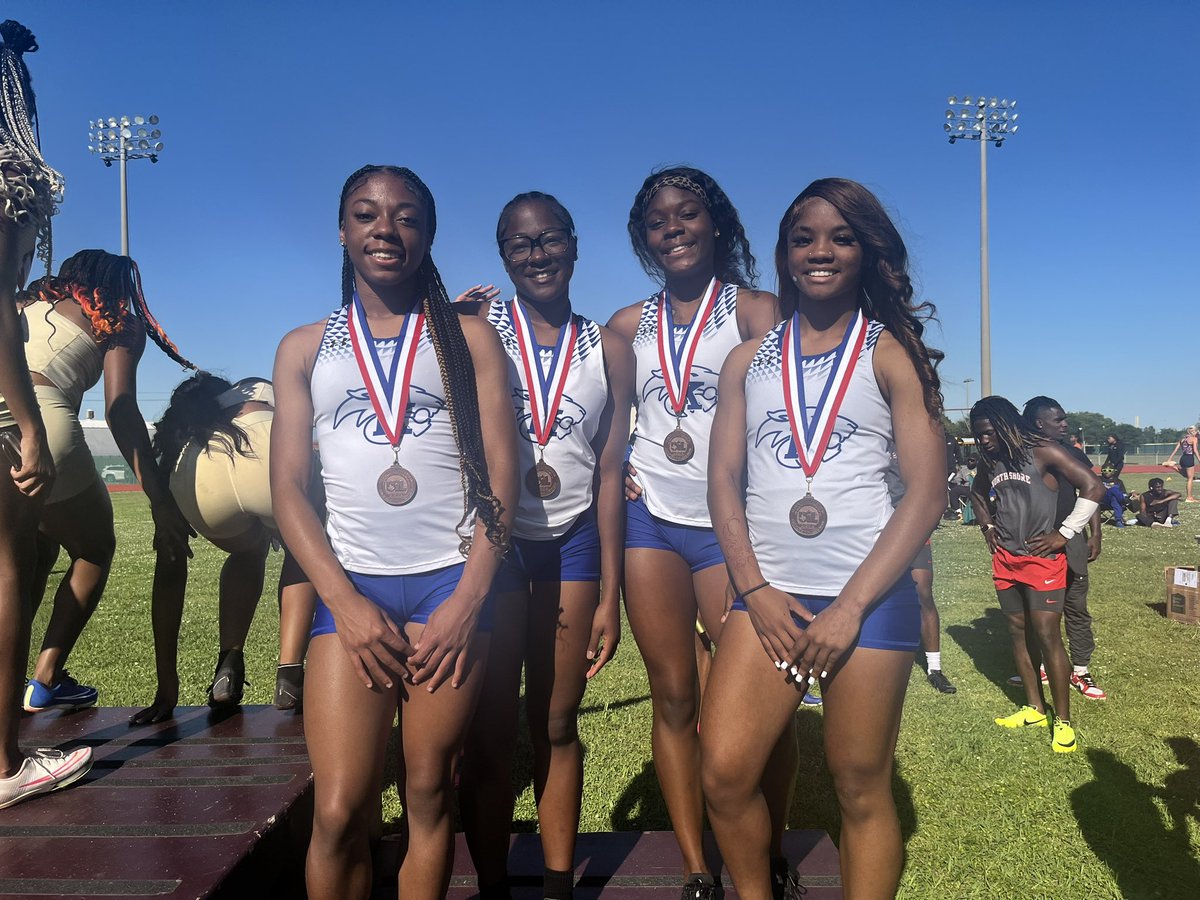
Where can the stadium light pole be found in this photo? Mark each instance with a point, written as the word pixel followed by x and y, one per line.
pixel 989 121
pixel 120 140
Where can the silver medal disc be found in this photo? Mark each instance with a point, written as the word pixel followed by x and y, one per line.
pixel 397 486
pixel 808 517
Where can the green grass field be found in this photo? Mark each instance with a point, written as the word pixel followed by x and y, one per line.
pixel 985 812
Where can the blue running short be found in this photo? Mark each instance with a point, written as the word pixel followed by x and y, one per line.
pixel 573 557
pixel 405 598
pixel 698 546
pixel 893 622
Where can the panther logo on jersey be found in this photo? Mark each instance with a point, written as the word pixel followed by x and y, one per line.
pixel 423 408
pixel 569 415
pixel 777 433
pixel 701 391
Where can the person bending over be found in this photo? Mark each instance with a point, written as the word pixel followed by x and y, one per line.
pixel 214 443
pixel 90 319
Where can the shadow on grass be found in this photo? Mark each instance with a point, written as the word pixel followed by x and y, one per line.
pixel 987 643
pixel 1160 608
pixel 640 806
pixel 1119 819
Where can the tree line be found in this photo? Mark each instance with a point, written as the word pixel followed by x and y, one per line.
pixel 1093 427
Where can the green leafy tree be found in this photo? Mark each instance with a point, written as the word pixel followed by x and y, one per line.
pixel 1094 426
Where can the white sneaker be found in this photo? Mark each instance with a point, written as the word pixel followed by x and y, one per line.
pixel 44 771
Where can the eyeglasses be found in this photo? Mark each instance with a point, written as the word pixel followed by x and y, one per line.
pixel 553 241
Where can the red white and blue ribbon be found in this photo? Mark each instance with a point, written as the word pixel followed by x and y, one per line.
pixel 389 399
pixel 545 389
pixel 676 356
pixel 812 435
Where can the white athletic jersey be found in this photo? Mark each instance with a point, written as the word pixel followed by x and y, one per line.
pixel 367 535
pixel 678 492
pixel 569 451
pixel 852 482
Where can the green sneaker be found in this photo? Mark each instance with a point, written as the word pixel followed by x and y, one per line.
pixel 1064 736
pixel 1023 718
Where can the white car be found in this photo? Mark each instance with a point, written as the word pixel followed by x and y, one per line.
pixel 112 474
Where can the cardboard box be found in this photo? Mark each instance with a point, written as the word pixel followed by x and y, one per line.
pixel 1183 594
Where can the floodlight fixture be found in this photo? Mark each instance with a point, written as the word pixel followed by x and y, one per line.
pixel 114 139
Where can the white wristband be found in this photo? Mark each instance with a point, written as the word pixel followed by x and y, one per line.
pixel 1079 516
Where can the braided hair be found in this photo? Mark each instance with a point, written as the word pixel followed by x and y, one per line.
pixel 195 415
pixel 108 288
pixel 29 189
pixel 550 200
pixel 886 289
pixel 1014 436
pixel 733 263
pixel 454 363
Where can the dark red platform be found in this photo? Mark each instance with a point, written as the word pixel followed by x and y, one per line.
pixel 206 806
pixel 196 807
pixel 626 865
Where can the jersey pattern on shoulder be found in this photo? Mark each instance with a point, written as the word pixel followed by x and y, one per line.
pixel 569 450
pixel 851 481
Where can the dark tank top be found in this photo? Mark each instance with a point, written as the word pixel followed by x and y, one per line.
pixel 1025 507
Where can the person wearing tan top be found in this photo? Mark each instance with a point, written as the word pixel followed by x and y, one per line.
pixel 214 440
pixel 95 299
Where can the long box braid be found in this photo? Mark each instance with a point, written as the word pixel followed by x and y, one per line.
pixel 30 189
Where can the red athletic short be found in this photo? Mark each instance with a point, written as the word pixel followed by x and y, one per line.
pixel 1042 573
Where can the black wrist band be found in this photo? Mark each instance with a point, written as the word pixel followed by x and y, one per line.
pixel 757 587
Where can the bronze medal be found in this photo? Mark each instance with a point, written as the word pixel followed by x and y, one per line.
pixel 808 517
pixel 678 446
pixel 542 481
pixel 396 486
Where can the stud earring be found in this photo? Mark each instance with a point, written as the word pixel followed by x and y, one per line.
pixel 717 233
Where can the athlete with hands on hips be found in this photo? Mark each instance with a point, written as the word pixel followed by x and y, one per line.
pixel 1015 496
pixel 417 445
pixel 801 453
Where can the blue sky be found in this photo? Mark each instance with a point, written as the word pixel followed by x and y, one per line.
pixel 267 107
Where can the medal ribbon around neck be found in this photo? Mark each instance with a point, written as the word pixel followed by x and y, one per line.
pixel 545 390
pixel 812 437
pixel 676 361
pixel 389 400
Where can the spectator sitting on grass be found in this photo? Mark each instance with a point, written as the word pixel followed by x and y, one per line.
pixel 1159 508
